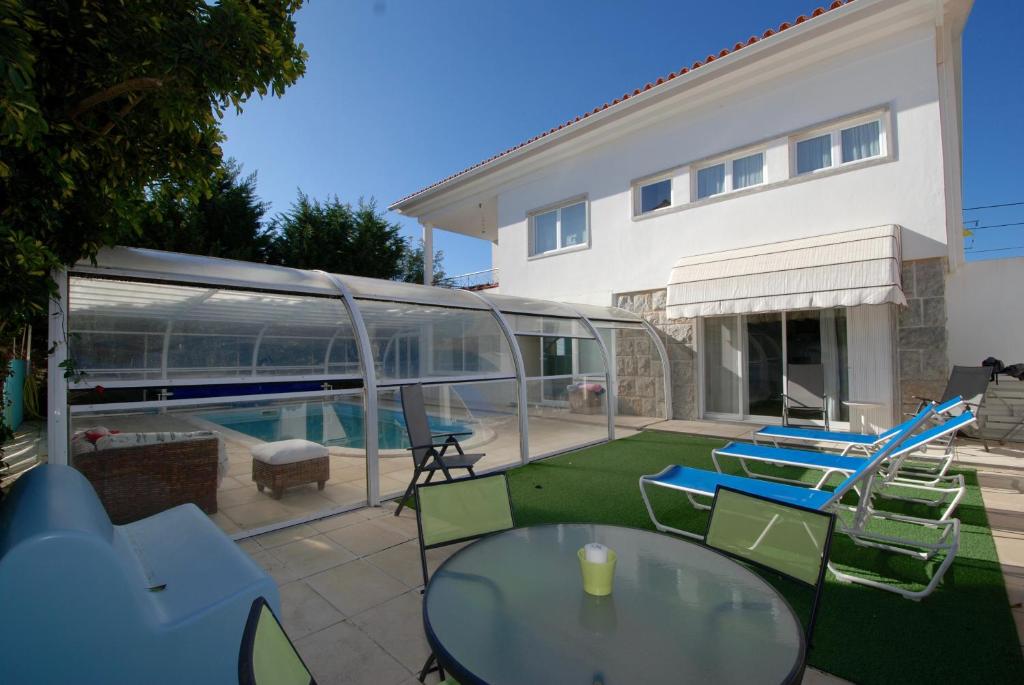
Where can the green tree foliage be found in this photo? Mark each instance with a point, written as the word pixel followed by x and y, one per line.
pixel 412 265
pixel 338 238
pixel 227 223
pixel 99 101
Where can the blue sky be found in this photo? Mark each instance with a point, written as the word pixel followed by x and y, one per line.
pixel 400 93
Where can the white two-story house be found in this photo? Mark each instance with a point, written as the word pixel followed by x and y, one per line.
pixel 792 200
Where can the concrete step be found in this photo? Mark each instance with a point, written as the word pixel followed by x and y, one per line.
pixel 1005 508
pixel 1003 480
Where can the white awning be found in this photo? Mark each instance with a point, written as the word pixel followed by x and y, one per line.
pixel 833 270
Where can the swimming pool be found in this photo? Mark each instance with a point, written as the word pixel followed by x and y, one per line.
pixel 338 424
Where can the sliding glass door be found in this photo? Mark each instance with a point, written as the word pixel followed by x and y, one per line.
pixel 819 337
pixel 722 357
pixel 745 360
pixel 764 364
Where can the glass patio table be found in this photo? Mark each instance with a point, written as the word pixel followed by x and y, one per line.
pixel 510 608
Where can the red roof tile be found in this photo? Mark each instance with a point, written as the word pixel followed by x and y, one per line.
pixel 696 65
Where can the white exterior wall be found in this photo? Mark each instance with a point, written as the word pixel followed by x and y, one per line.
pixel 631 255
pixel 983 312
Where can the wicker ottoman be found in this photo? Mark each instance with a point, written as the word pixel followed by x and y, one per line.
pixel 286 463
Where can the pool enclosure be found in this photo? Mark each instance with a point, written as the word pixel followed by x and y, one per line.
pixel 185 364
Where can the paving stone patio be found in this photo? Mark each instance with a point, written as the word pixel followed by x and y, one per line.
pixel 350 595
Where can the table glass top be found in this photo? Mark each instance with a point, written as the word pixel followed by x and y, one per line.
pixel 511 609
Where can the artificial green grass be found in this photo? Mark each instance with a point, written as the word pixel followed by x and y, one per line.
pixel 963 632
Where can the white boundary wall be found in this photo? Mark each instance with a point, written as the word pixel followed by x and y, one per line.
pixel 984 313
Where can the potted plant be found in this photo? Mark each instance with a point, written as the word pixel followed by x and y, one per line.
pixel 15 380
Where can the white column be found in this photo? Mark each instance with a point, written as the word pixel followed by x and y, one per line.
pixel 428 253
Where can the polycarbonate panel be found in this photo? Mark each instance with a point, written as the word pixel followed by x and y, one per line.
pixel 127 330
pixel 590 360
pixel 595 312
pixel 378 289
pixel 287 350
pixel 343 354
pixel 561 357
pixel 412 341
pixel 138 262
pixel 566 412
pixel 509 304
pixel 522 324
pixel 488 410
pixel 639 368
pixel 332 419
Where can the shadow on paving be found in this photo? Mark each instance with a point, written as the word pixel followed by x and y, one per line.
pixel 962 632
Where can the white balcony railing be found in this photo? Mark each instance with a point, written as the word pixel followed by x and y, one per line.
pixel 474 280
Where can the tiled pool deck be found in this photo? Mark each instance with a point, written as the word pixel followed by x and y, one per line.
pixel 350 594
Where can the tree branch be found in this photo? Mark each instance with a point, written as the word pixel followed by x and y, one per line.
pixel 131 85
pixel 121 114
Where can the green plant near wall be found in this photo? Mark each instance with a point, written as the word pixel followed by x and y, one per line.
pixel 100 104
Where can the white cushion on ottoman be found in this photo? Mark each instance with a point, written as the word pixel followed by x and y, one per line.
pixel 288 451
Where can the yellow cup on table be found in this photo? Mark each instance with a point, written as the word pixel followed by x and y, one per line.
pixel 597 575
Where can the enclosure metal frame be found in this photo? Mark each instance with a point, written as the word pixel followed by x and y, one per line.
pixel 610 402
pixel 666 371
pixel 333 287
pixel 371 441
pixel 517 361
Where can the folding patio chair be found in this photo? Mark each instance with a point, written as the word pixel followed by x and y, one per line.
pixel 852 521
pixel 457 511
pixel 805 392
pixel 969 382
pixel 948 488
pixel 789 540
pixel 267 656
pixel 429 454
pixel 843 440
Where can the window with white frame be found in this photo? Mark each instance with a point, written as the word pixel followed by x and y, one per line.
pixel 650 196
pixel 735 173
pixel 748 171
pixel 710 181
pixel 844 143
pixel 559 228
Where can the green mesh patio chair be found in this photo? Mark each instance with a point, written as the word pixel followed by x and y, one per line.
pixel 267 656
pixel 789 540
pixel 457 511
pixel 430 450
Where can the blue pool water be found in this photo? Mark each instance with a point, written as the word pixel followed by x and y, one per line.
pixel 344 425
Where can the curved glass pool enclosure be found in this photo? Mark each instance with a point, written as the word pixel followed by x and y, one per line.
pixel 166 346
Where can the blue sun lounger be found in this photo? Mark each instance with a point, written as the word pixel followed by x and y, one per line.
pixel 853 521
pixel 844 441
pixel 949 489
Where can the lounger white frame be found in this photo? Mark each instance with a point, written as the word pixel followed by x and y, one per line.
pixel 853 521
pixel 930 469
pixel 948 488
